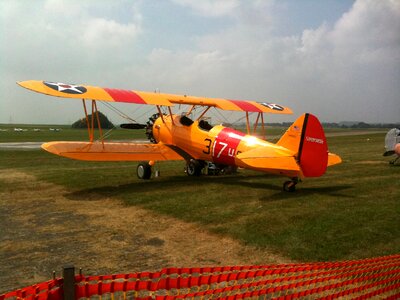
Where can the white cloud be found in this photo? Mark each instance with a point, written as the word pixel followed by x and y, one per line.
pixel 107 33
pixel 69 41
pixel 354 64
pixel 210 8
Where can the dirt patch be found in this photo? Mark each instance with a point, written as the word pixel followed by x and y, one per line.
pixel 42 230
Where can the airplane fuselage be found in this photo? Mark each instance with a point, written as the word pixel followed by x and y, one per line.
pixel 219 144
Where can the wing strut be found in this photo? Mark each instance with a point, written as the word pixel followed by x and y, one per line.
pixel 94 105
pixel 260 114
pixel 160 112
pixel 170 113
pixel 90 124
pixel 204 112
pixel 263 126
pixel 190 111
pixel 87 121
pixel 256 122
pixel 248 123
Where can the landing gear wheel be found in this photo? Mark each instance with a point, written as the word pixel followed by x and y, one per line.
pixel 194 167
pixel 143 170
pixel 289 186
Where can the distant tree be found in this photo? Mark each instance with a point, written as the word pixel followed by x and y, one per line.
pixel 104 122
pixel 361 125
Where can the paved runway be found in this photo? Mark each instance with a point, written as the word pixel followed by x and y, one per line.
pixel 21 145
pixel 36 145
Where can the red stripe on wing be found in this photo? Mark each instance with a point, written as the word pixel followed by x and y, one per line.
pixel 246 106
pixel 125 96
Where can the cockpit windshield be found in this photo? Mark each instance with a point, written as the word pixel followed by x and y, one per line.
pixel 185 121
pixel 203 124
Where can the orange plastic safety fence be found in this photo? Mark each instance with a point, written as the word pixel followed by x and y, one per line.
pixel 358 279
pixel 51 289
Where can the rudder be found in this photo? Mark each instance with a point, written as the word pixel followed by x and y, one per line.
pixel 307 139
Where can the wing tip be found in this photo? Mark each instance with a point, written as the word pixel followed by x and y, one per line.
pixel 28 84
pixel 21 83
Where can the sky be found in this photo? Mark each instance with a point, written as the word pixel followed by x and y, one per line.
pixel 337 59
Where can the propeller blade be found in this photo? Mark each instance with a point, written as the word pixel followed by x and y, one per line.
pixel 133 126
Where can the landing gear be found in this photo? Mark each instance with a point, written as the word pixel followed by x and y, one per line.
pixel 143 170
pixel 194 167
pixel 393 162
pixel 290 186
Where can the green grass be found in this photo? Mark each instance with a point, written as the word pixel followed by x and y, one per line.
pixel 351 212
pixel 66 133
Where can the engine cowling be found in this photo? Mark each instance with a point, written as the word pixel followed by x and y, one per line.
pixel 149 128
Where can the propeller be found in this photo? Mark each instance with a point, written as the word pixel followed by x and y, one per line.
pixel 133 126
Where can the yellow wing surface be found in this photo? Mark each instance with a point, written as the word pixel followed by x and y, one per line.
pixel 131 96
pixel 98 151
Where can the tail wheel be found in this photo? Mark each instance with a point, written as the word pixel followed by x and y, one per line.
pixel 143 170
pixel 149 128
pixel 290 186
pixel 194 167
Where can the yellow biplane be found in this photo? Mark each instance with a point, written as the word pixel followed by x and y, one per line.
pixel 301 152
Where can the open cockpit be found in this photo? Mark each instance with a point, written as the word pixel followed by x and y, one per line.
pixel 202 124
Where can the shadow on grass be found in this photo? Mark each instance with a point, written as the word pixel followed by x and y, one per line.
pixel 175 184
pixel 166 184
pixel 301 192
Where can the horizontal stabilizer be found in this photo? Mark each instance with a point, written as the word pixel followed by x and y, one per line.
pixel 269 158
pixel 98 151
pixel 333 159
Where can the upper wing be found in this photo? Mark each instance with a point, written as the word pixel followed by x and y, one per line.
pixel 112 151
pixel 226 104
pixel 130 96
pixel 93 92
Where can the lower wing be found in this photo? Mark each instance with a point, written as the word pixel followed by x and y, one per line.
pixel 98 151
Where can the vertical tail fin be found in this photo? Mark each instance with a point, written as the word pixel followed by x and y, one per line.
pixel 306 138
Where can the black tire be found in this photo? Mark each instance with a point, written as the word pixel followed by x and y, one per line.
pixel 289 186
pixel 143 170
pixel 194 168
pixel 229 170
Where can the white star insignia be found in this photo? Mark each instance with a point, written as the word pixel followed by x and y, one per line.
pixel 273 106
pixel 66 88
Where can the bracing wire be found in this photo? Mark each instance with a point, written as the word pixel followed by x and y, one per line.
pixel 147 111
pixel 106 134
pixel 220 114
pixel 242 118
pixel 117 111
